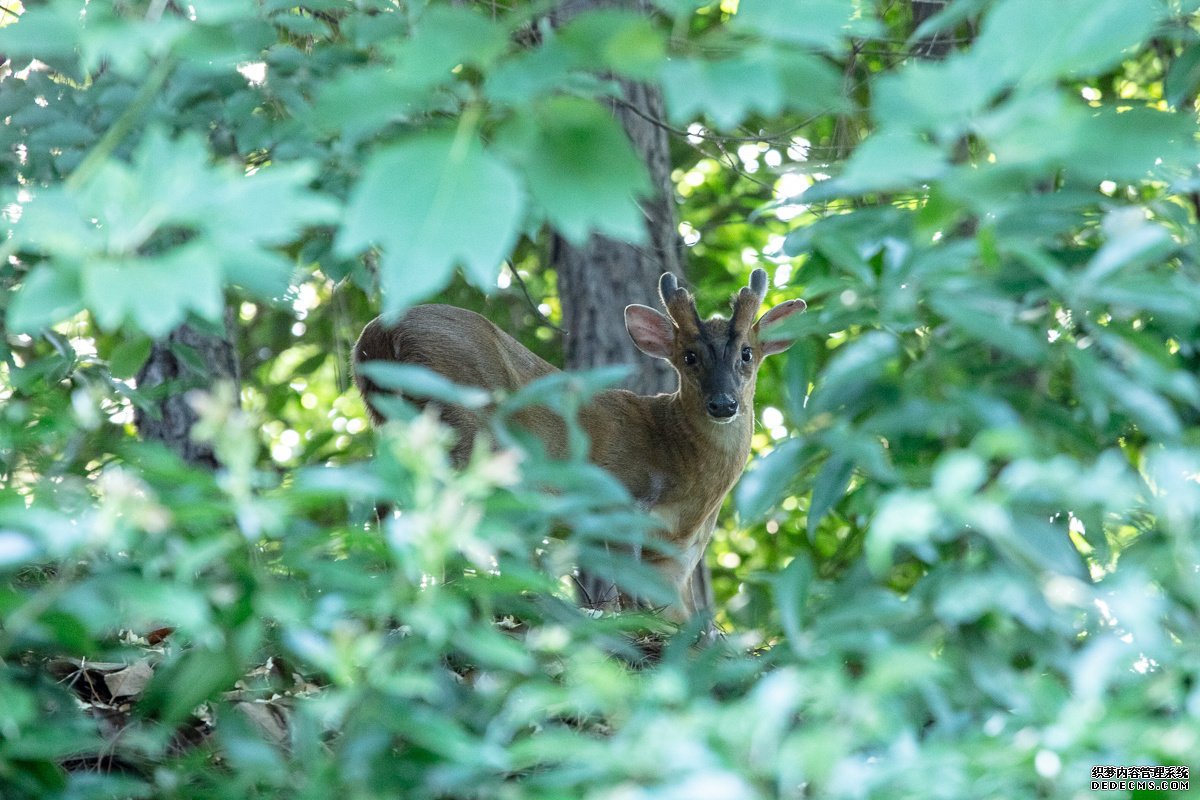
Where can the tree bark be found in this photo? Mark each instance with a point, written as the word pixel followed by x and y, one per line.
pixel 938 45
pixel 598 279
pixel 173 416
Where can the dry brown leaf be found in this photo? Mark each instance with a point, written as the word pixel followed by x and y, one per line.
pixel 129 682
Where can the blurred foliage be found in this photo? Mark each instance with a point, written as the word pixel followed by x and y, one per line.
pixel 962 564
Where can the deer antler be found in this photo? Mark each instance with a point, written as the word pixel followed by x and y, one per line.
pixel 680 304
pixel 747 301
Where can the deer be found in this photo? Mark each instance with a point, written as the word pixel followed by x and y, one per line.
pixel 678 454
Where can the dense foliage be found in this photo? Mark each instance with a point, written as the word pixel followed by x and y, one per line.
pixel 963 564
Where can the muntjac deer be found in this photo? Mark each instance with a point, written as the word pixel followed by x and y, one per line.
pixel 678 454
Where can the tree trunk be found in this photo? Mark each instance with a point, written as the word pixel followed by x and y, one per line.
pixel 173 416
pixel 597 280
pixel 938 45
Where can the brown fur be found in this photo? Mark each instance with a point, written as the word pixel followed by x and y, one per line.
pixel 675 460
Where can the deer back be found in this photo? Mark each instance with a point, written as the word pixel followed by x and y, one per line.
pixel 466 348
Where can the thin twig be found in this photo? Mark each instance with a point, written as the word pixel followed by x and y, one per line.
pixel 529 299
pixel 711 137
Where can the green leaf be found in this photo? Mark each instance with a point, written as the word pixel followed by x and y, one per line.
pixel 941 97
pixel 1129 145
pixel 614 40
pixel 546 70
pixel 493 650
pixel 53 223
pixel 854 369
pixel 768 478
pixel 904 518
pixel 1183 77
pixel 1036 42
pixel 356 103
pixel 1149 410
pixel 43 32
pixel 280 200
pixel 1133 242
pixel 888 161
pixel 580 168
pixel 154 294
pixel 431 203
pixel 196 676
pixel 419 382
pixel 791 587
pixel 443 38
pixel 819 24
pixel 129 356
pixel 48 295
pixel 725 91
pixel 990 319
pixel 828 488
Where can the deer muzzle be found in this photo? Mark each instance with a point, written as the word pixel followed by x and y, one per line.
pixel 722 407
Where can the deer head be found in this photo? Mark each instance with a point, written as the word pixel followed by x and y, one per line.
pixel 718 359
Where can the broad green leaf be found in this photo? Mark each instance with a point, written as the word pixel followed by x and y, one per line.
pixel 1036 42
pixel 195 676
pixel 1175 299
pixel 552 68
pixel 941 97
pixel 154 294
pixel 1183 77
pixel 991 320
pixel 492 649
pixel 1129 145
pixel 1042 131
pixel 129 356
pixel 358 102
pixel 433 202
pixel 854 369
pixel 1034 542
pixel 419 382
pixel 580 168
pixel 819 24
pixel 1132 243
pixel 280 200
pixel 43 32
pixel 444 37
pixel 53 223
pixel 905 518
pixel 301 25
pixel 829 488
pixel 887 161
pixel 791 587
pixel 725 91
pixel 610 39
pixel 764 484
pixel 216 49
pixel 1148 409
pixel 47 296
pixel 556 388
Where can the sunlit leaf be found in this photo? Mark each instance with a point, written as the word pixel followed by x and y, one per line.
pixel 762 485
pixel 580 168
pixel 419 382
pixel 828 488
pixel 458 206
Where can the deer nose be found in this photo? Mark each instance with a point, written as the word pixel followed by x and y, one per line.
pixel 722 406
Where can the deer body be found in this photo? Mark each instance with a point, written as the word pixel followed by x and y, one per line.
pixel 678 454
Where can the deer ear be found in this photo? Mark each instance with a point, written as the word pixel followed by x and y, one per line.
pixel 779 313
pixel 652 332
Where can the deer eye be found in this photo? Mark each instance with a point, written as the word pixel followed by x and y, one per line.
pixel 747 354
pixel 689 358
